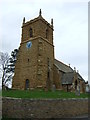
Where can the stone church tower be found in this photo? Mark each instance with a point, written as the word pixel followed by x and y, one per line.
pixel 35 59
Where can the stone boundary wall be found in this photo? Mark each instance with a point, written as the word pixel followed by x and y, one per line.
pixel 43 108
pixel 0 107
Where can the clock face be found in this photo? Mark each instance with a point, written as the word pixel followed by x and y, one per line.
pixel 29 44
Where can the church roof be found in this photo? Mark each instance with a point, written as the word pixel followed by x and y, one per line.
pixel 68 72
pixel 80 77
pixel 62 67
pixel 67 78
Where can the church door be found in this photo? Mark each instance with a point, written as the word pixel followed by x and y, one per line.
pixel 27 84
pixel 76 85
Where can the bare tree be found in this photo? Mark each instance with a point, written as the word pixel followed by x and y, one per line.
pixel 4 57
pixel 7 67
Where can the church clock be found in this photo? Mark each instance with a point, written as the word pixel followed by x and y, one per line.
pixel 28 44
pixel 35 51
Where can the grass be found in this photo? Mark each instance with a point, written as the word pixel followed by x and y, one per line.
pixel 42 94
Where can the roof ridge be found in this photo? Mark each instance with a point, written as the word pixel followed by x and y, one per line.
pixel 62 63
pixel 69 72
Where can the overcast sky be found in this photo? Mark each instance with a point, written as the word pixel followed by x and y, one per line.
pixel 70 27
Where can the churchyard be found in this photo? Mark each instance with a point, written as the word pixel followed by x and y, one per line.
pixel 39 93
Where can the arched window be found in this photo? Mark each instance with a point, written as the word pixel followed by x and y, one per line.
pixel 27 84
pixel 46 33
pixel 48 75
pixel 48 72
pixel 76 84
pixel 48 62
pixel 31 32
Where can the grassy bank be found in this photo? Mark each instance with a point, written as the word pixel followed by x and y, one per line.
pixel 41 94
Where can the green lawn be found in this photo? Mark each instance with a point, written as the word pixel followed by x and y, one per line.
pixel 41 94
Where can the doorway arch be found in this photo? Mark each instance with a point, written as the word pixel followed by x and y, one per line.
pixel 27 84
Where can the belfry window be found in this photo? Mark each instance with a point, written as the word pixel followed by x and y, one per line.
pixel 31 32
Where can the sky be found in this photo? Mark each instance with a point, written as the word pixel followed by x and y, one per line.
pixel 70 19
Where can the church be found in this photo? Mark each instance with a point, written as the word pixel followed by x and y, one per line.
pixel 36 66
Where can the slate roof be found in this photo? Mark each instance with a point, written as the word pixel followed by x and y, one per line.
pixel 62 67
pixel 68 72
pixel 80 77
pixel 67 78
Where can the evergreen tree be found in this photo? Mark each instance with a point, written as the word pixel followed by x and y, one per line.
pixel 8 67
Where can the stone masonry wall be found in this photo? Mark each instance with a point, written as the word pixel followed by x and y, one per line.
pixel 31 64
pixel 57 75
pixel 43 108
